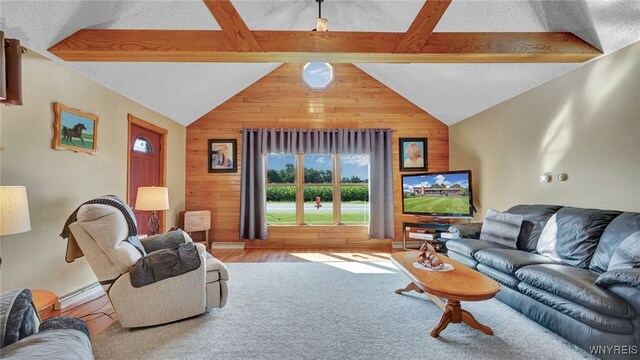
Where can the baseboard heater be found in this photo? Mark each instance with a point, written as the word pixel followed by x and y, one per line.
pixel 230 245
pixel 78 296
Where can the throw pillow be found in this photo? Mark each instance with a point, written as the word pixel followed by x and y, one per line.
pixel 466 231
pixel 501 228
pixel 627 255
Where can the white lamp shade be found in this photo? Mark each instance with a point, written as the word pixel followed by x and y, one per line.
pixel 321 24
pixel 14 210
pixel 152 198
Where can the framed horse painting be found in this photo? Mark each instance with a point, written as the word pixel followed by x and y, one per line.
pixel 74 130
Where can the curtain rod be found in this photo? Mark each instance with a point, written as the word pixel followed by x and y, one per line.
pixel 334 130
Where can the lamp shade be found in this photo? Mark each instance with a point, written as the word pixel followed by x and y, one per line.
pixel 152 198
pixel 321 24
pixel 14 210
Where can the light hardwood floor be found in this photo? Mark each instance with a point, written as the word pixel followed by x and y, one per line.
pixel 99 314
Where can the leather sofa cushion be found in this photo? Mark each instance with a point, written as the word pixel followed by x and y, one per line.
pixel 584 315
pixel 509 261
pixel 627 255
pixel 615 233
pixel 576 285
pixel 535 218
pixel 632 296
pixel 629 277
pixel 572 234
pixel 470 262
pixel 499 276
pixel 469 247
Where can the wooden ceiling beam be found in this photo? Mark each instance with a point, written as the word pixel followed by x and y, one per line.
pixel 422 26
pixel 336 47
pixel 232 25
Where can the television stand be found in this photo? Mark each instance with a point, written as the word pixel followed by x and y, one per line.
pixel 425 232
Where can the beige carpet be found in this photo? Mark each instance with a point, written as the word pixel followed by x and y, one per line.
pixel 341 310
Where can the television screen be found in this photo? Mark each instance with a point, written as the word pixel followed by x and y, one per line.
pixel 446 194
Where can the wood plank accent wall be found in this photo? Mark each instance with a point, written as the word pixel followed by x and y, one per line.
pixel 281 100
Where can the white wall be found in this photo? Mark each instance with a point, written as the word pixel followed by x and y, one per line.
pixel 585 123
pixel 58 181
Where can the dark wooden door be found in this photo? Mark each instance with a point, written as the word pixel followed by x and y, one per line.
pixel 144 168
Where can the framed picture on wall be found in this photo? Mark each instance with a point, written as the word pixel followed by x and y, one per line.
pixel 223 155
pixel 74 130
pixel 413 154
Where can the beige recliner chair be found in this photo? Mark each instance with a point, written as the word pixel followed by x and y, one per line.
pixel 100 232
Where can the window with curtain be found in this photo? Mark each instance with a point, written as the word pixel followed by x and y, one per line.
pixel 334 189
pixel 349 151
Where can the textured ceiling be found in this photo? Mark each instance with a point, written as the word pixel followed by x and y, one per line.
pixel 450 92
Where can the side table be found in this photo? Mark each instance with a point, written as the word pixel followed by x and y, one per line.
pixel 45 302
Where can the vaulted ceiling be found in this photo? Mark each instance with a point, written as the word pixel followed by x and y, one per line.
pixel 450 92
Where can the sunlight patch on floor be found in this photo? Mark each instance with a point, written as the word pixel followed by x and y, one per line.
pixel 316 257
pixel 356 263
pixel 359 257
pixel 386 264
pixel 358 268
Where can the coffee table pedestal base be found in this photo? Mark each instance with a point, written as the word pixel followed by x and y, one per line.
pixel 452 312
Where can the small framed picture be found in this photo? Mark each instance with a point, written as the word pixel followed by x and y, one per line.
pixel 74 130
pixel 413 154
pixel 223 155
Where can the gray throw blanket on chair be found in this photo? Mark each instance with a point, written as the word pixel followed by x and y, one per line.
pixel 168 256
pixel 73 250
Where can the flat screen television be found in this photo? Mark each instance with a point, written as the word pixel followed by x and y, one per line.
pixel 438 194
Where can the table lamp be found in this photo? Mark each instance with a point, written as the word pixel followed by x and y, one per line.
pixel 14 210
pixel 151 198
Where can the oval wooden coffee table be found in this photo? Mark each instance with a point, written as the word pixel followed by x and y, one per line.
pixel 459 284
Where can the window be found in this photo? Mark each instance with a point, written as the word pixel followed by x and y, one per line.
pixel 281 189
pixel 317 76
pixel 142 145
pixel 354 188
pixel 317 189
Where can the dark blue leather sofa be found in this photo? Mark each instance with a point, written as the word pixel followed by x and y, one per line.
pixel 576 297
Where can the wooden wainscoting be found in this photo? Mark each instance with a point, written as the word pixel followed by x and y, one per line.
pixel 282 100
pixel 315 235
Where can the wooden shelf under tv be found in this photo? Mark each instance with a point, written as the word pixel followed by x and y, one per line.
pixel 435 227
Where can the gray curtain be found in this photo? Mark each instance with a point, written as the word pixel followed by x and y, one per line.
pixel 381 222
pixel 253 196
pixel 259 142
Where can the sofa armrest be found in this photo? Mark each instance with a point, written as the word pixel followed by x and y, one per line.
pixel 65 322
pixel 466 231
pixel 168 240
pixel 214 264
pixel 630 277
pixel 68 344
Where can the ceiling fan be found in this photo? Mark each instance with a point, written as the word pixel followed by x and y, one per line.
pixel 322 23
